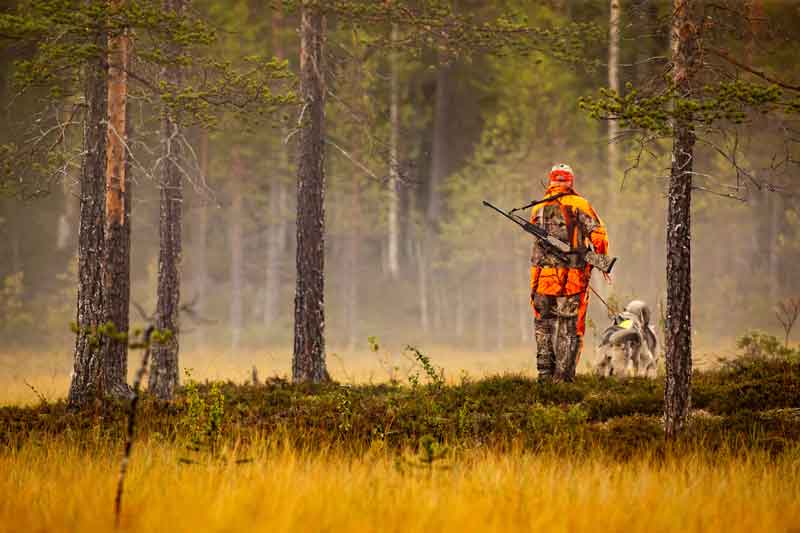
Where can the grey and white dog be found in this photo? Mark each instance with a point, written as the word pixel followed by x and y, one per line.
pixel 628 347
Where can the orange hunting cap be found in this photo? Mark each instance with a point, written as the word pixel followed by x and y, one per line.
pixel 562 173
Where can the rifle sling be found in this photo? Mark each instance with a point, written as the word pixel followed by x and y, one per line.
pixel 543 200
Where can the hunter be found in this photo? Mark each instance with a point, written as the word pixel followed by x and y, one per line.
pixel 559 288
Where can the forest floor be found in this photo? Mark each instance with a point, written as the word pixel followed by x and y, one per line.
pixel 496 453
pixel 27 374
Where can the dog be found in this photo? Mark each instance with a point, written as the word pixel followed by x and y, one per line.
pixel 628 347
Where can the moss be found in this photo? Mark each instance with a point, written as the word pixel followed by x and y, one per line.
pixel 753 404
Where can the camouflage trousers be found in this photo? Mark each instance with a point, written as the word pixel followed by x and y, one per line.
pixel 558 344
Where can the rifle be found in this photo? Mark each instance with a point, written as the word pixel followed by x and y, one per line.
pixel 558 247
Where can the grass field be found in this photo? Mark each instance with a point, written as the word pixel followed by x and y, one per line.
pixel 478 452
pixel 60 487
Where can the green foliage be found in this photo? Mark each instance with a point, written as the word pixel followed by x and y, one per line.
pixel 721 102
pixel 752 405
pixel 455 32
pixel 204 415
pixel 435 377
pixel 64 36
pixel 759 344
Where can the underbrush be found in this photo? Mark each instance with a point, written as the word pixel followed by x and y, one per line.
pixel 750 404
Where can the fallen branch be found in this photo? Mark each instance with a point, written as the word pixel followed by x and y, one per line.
pixel 123 467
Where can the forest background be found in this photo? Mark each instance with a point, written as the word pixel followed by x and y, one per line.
pixel 470 127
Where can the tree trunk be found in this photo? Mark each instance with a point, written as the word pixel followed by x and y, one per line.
pixel 482 306
pixel 353 266
pixel 276 232
pixel 775 223
pixel 200 238
pixel 459 316
pixel 441 146
pixel 501 310
pixel 308 362
pixel 237 250
pixel 66 222
pixel 678 345
pixel 85 384
pixel 422 284
pixel 613 84
pixel 164 373
pixel 116 249
pixel 394 200
pixel 523 307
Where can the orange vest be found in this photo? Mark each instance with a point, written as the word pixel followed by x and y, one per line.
pixel 565 281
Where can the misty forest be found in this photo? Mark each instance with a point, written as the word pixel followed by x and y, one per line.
pixel 249 279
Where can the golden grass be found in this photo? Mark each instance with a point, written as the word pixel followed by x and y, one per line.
pixel 60 487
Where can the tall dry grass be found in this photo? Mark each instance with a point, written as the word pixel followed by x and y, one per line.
pixel 62 486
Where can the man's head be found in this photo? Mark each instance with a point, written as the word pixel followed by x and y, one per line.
pixel 561 174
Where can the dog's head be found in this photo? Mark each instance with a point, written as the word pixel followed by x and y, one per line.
pixel 641 310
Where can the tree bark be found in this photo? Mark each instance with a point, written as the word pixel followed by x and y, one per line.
pixel 308 362
pixel 116 249
pixel 394 200
pixel 164 372
pixel 85 384
pixel 678 345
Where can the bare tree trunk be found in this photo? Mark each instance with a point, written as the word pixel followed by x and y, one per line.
pixel 459 312
pixel 394 200
pixel 237 249
pixel 422 284
pixel 15 236
pixel 116 249
pixel 482 306
pixel 523 307
pixel 276 232
pixel 613 84
pixel 200 238
pixel 438 305
pixel 501 311
pixel 775 216
pixel 85 384
pixel 441 146
pixel 308 362
pixel 164 373
pixel 273 248
pixel 678 345
pixel 66 221
pixel 353 265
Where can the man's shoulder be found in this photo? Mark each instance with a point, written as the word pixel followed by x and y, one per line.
pixel 578 201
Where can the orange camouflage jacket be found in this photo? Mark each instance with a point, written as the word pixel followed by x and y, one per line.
pixel 573 220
